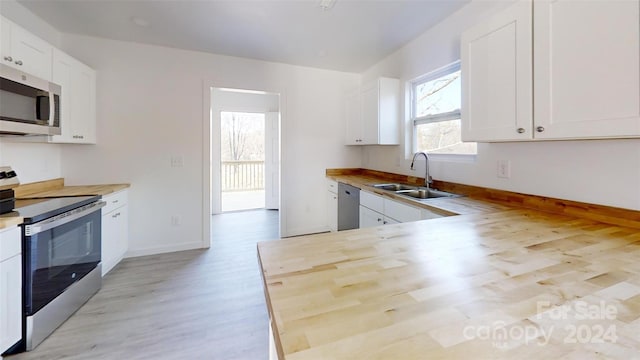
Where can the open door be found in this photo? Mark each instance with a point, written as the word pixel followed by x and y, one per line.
pixel 272 160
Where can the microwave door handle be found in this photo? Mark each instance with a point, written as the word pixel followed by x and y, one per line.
pixel 62 219
pixel 52 109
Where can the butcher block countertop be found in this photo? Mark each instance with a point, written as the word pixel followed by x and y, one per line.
pixel 10 219
pixel 508 282
pixel 56 188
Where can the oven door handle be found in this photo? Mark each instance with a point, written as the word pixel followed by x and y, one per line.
pixel 62 219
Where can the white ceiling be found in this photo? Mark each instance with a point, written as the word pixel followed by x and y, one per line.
pixel 352 36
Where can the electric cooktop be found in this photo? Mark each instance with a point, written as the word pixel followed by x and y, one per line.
pixel 34 210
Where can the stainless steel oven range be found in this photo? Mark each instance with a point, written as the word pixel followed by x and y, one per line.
pixel 62 268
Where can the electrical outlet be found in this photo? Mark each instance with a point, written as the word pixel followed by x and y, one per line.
pixel 176 220
pixel 504 169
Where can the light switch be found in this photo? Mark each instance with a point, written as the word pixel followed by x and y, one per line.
pixel 176 161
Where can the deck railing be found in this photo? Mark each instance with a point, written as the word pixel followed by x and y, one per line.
pixel 242 175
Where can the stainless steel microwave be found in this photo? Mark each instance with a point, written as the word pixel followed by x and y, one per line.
pixel 28 105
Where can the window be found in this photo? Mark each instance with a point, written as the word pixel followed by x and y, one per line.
pixel 435 112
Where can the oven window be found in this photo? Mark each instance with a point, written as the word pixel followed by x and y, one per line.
pixel 58 257
pixel 69 248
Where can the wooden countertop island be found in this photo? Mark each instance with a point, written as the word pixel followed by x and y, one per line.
pixel 513 283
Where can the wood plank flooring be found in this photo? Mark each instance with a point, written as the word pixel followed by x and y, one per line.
pixel 198 304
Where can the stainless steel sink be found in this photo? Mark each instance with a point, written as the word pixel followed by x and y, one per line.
pixel 415 192
pixel 426 194
pixel 394 187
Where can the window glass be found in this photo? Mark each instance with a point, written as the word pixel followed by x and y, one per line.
pixel 435 110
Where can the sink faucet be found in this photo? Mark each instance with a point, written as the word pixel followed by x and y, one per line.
pixel 427 178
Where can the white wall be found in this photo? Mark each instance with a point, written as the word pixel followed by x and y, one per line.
pixel 150 107
pixel 32 161
pixel 603 172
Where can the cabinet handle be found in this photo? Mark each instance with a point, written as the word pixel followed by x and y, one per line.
pixel 114 201
pixel 520 130
pixel 18 62
pixel 379 219
pixel 8 58
pixel 115 215
pixel 540 129
pixel 384 223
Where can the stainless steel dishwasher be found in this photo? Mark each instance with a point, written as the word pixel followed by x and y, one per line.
pixel 348 207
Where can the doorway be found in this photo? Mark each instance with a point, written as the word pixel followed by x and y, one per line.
pixel 242 165
pixel 245 151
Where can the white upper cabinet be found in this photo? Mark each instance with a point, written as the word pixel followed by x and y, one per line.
pixel 587 69
pixel 372 114
pixel 354 120
pixel 78 108
pixel 553 70
pixel 497 77
pixel 24 51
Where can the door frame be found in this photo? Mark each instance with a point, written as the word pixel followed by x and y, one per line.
pixel 207 152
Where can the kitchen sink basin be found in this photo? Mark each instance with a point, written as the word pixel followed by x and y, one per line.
pixel 394 187
pixel 415 192
pixel 426 193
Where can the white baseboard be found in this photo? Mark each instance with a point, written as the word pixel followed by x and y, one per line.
pixel 165 249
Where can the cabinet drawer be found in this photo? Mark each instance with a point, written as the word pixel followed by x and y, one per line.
pixel 332 186
pixel 428 214
pixel 114 201
pixel 373 202
pixel 401 212
pixel 10 243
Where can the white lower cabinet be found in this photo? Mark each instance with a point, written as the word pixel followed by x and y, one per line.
pixel 332 205
pixel 10 287
pixel 370 218
pixel 376 210
pixel 115 229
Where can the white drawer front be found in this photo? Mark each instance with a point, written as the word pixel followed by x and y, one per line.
pixel 10 243
pixel 373 202
pixel 115 201
pixel 428 214
pixel 401 212
pixel 332 186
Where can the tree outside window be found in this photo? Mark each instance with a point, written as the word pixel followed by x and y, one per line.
pixel 435 111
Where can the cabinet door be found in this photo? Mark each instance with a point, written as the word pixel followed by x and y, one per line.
pixel 63 75
pixel 370 218
pixel 372 201
pixel 369 112
pixel 109 242
pixel 30 53
pixel 10 302
pixel 497 77
pixel 388 111
pixel 122 224
pixel 5 42
pixel 84 104
pixel 332 211
pixel 353 119
pixel 115 237
pixel 78 108
pixel 587 68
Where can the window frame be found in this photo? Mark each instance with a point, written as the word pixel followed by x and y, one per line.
pixel 428 119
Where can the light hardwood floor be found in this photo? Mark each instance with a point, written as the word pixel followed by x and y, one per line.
pixel 198 304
